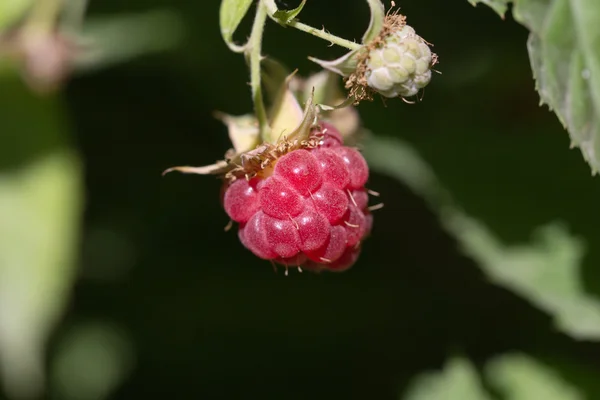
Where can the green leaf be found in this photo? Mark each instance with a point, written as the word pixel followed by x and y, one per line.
pixel 500 6
pixel 519 377
pixel 564 48
pixel 458 381
pixel 39 209
pixel 231 14
pixel 377 19
pixel 515 376
pixel 40 205
pixel 113 40
pixel 11 11
pixel 546 272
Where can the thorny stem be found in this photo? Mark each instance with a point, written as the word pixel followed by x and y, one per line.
pixel 253 52
pixel 322 34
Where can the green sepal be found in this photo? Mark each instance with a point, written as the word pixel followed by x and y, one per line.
pixel 344 66
pixel 377 20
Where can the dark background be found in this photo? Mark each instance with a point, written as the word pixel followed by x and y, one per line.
pixel 207 319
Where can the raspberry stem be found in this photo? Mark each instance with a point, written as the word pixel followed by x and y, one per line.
pixel 254 56
pixel 322 34
pixel 253 52
pixel 294 23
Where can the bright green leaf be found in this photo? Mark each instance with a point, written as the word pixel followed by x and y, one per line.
pixel 230 15
pixel 519 377
pixel 118 39
pixel 547 271
pixel 500 6
pixel 564 47
pixel 40 204
pixel 564 50
pixel 515 376
pixel 11 11
pixel 458 381
pixel 39 210
pixel 377 19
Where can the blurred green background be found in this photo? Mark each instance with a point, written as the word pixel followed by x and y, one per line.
pixel 168 305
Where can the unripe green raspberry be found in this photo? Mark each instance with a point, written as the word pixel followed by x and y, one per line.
pixel 401 66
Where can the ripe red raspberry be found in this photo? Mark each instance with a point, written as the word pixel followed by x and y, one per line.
pixel 309 208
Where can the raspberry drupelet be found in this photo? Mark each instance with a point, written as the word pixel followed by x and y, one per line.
pixel 308 208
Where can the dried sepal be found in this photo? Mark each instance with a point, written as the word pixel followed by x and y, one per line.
pixel 261 160
pixel 377 20
pixel 356 82
pixel 218 168
pixel 252 162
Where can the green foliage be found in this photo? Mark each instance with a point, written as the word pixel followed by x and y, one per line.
pixel 546 272
pixel 41 195
pixel 519 377
pixel 11 11
pixel 515 376
pixel 118 39
pixel 458 381
pixel 40 204
pixel 564 49
pixel 500 6
pixel 231 14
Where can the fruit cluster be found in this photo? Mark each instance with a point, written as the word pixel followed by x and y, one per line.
pixel 308 209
